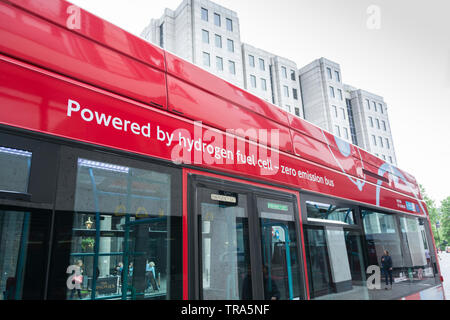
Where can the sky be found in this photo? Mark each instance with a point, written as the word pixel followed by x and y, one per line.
pixel 397 49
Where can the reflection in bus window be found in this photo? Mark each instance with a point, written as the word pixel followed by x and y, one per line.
pixel 281 265
pixel 405 241
pixel 325 211
pixel 420 267
pixel 14 169
pixel 225 256
pixel 122 222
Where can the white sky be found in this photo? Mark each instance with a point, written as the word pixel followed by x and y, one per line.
pixel 406 60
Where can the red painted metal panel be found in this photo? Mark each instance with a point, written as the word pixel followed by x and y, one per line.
pixel 200 105
pixel 212 84
pixel 137 128
pixel 56 48
pixel 79 21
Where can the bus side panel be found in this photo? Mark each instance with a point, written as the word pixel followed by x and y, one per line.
pixel 39 100
pixel 59 49
pixel 199 105
pixel 214 85
pixel 81 22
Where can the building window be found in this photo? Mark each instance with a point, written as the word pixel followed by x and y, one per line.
pixel 374 139
pixel 332 92
pixel 329 73
pixel 381 141
pixel 229 25
pixel 251 60
pixel 297 112
pixel 390 159
pixel 263 84
pixel 378 123
pixel 337 130
pixel 161 35
pixel 230 45
pixel 384 125
pixel 206 60
pixel 387 143
pixel 374 106
pixel 218 41
pixel 381 108
pixel 371 121
pixel 335 111
pixel 338 78
pixel 204 14
pixel 368 104
pixel 340 94
pixel 205 36
pixel 286 91
pixel 384 157
pixel 292 75
pixel 232 67
pixel 288 108
pixel 262 65
pixel 294 93
pixel 219 63
pixel 343 113
pixel 217 19
pixel 345 133
pixel 284 72
pixel 253 81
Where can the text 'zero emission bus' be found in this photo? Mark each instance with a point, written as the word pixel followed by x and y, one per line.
pixel 129 173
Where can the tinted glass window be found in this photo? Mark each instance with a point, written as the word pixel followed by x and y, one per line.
pixel 123 237
pixel 14 169
pixel 325 211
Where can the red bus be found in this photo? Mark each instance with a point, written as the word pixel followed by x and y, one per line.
pixel 129 173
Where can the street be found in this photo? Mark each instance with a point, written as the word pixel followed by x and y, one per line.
pixel 444 263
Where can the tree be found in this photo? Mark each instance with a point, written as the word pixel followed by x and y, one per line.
pixel 445 219
pixel 433 213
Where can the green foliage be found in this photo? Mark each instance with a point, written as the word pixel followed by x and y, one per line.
pixel 441 214
pixel 445 219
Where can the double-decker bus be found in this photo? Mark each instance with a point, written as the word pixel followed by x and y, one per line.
pixel 127 172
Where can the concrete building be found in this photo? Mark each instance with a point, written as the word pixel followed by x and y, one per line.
pixel 373 130
pixel 204 33
pixel 323 97
pixel 355 115
pixel 272 78
pixel 208 35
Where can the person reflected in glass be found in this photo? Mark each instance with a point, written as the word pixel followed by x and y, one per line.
pixel 151 276
pixel 271 291
pixel 78 280
pixel 119 270
pixel 386 267
pixel 130 270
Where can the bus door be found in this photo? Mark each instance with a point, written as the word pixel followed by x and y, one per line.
pixel 244 244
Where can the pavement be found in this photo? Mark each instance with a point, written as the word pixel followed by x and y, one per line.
pixel 444 262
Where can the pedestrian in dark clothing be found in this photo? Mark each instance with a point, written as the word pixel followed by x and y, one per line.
pixel 386 267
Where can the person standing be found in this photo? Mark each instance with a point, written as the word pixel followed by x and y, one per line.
pixel 78 279
pixel 386 267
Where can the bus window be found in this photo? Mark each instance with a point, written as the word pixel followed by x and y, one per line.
pixel 419 264
pixel 14 169
pixel 224 243
pixel 125 229
pixel 281 264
